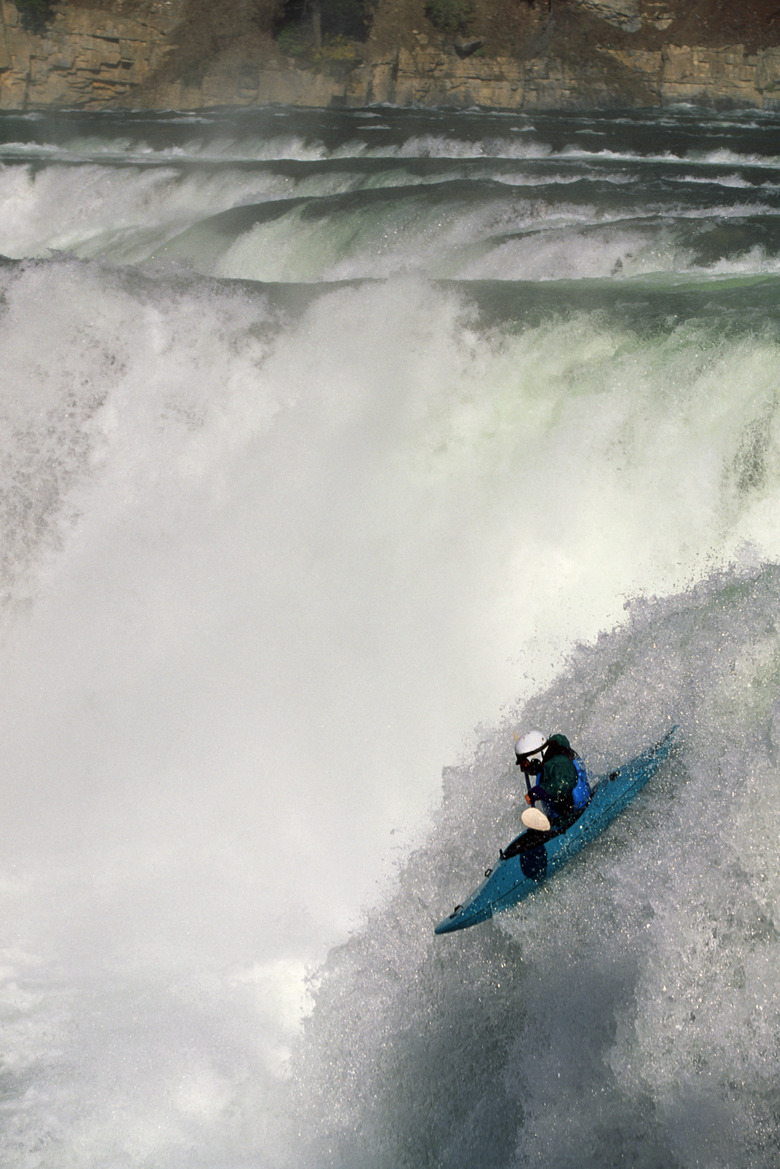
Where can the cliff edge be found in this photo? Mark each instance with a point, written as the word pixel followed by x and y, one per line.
pixel 514 54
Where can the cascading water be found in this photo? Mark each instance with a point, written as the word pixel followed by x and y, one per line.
pixel 327 438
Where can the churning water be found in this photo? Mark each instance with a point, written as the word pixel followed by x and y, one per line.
pixel 334 447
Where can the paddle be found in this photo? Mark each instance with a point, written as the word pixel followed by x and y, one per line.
pixel 535 818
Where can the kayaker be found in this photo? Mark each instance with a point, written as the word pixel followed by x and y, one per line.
pixel 555 784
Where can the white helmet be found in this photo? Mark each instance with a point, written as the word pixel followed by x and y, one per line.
pixel 529 744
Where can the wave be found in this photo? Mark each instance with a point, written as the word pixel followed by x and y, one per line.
pixel 276 549
pixel 307 201
pixel 315 136
pixel 618 1005
pixel 445 231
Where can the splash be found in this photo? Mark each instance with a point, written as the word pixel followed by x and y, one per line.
pixel 630 1012
pixel 271 552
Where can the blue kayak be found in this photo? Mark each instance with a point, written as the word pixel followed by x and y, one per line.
pixel 515 877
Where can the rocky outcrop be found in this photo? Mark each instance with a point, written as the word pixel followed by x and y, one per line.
pixel 624 14
pixel 431 76
pixel 427 76
pixel 88 57
pixel 93 58
pixel 705 75
pixel 661 77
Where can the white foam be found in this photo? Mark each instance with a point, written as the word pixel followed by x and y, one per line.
pixel 264 571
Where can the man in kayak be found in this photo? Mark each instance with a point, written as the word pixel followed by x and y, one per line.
pixel 555 786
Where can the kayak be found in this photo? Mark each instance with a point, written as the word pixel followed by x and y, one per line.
pixel 517 876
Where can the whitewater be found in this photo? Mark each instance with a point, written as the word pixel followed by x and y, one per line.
pixel 335 447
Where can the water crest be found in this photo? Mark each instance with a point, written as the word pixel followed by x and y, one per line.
pixel 335 447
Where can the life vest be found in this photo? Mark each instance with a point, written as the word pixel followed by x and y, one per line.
pixel 582 792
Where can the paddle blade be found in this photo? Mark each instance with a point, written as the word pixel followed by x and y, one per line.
pixel 534 818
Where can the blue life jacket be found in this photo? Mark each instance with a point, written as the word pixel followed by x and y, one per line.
pixel 582 792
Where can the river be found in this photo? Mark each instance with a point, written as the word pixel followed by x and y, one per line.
pixel 335 447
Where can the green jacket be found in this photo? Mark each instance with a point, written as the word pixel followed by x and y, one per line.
pixel 558 776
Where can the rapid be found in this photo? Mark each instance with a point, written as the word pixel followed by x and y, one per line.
pixel 335 446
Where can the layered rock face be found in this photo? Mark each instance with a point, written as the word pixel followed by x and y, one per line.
pixel 703 75
pixel 86 56
pixel 576 53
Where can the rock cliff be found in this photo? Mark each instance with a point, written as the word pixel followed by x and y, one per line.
pixel 525 54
